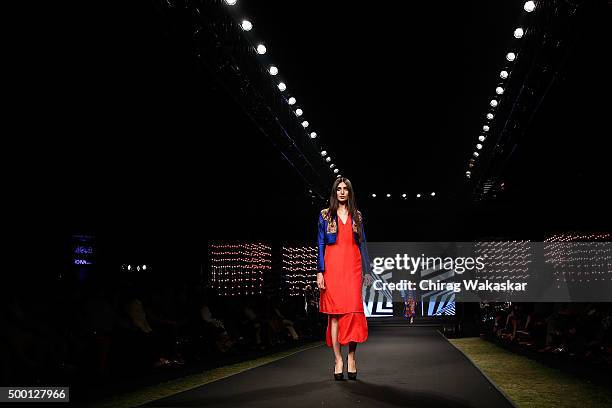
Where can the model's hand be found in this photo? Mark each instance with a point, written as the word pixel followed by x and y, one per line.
pixel 320 280
pixel 368 280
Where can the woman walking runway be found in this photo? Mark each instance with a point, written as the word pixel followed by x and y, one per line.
pixel 342 251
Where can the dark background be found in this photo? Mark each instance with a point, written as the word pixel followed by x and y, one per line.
pixel 120 134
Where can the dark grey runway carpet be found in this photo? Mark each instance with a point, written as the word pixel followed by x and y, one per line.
pixel 397 367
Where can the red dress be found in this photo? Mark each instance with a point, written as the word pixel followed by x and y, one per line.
pixel 342 293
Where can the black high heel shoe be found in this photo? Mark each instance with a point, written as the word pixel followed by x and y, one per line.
pixel 351 375
pixel 339 376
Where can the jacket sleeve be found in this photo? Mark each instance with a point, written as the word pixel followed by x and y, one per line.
pixel 321 243
pixel 363 247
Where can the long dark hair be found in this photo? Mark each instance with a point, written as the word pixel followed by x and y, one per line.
pixel 351 202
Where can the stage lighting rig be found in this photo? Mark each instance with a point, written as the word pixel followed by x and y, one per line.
pixel 224 44
pixel 541 45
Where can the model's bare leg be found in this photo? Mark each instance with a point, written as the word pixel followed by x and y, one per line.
pixel 352 364
pixel 336 345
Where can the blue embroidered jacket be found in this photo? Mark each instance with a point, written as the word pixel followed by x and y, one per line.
pixel 328 232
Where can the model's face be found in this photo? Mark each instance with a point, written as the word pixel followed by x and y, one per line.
pixel 342 192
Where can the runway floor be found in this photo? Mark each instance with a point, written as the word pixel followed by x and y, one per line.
pixel 397 366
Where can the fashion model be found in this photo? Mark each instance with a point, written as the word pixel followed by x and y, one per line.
pixel 410 305
pixel 342 250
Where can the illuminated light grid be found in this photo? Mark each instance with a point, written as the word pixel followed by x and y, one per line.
pixel 505 260
pixel 579 258
pixel 238 269
pixel 299 268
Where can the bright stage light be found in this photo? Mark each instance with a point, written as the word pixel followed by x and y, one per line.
pixel 510 56
pixel 246 25
pixel 479 146
pixel 373 195
pixel 493 103
pixel 298 112
pixel 273 70
pixel 518 33
pixel 305 124
pixel 324 153
pixel 468 174
pixel 261 49
pixel 490 116
pixel 328 159
pixel 282 86
pixel 292 101
pixel 336 170
pixel 404 195
pixel 503 74
pixel 499 90
pixel 388 195
pixel 485 128
pixel 419 195
pixel 476 154
pixel 313 135
pixel 481 138
pixel 529 6
pixel 231 2
pixel 433 194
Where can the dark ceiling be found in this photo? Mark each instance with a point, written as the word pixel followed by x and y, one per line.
pixel 147 150
pixel 397 91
